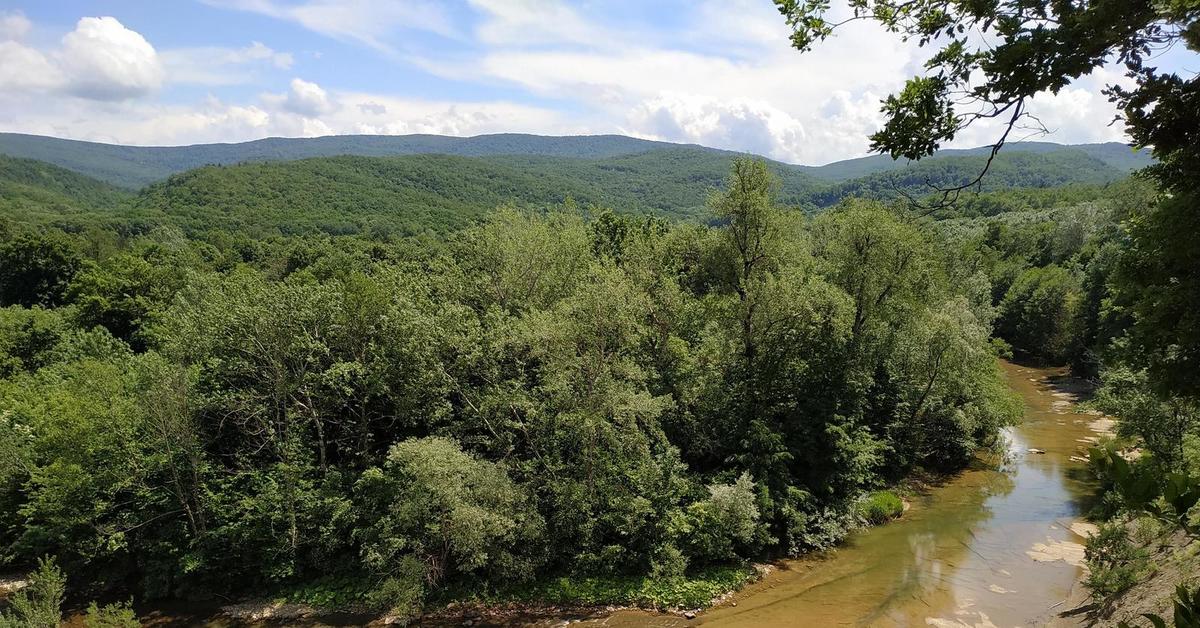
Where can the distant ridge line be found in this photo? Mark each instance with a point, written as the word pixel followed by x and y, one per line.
pixel 134 167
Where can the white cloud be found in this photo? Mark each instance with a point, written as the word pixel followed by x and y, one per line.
pixel 23 68
pixel 213 120
pixel 390 115
pixel 99 60
pixel 372 108
pixel 728 77
pixel 367 22
pixel 722 74
pixel 745 125
pixel 306 98
pixel 13 25
pixel 838 126
pixel 223 66
pixel 1077 114
pixel 104 60
pixel 527 22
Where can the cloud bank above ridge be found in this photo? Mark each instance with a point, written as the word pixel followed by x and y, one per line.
pixel 719 73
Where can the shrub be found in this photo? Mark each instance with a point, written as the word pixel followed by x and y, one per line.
pixel 402 593
pixel 40 604
pixel 880 507
pixel 1114 563
pixel 723 522
pixel 452 512
pixel 117 615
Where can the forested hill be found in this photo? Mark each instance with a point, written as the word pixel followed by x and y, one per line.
pixel 1010 170
pixel 136 166
pixel 1113 154
pixel 414 194
pixel 417 193
pixel 35 189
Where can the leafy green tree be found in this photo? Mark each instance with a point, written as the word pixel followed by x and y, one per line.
pixel 880 261
pixel 452 512
pixel 125 292
pixel 1040 313
pixel 1164 425
pixel 29 338
pixel 115 615
pixel 1158 281
pixel 724 523
pixel 36 268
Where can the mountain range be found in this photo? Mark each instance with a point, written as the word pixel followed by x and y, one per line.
pixel 415 183
pixel 136 166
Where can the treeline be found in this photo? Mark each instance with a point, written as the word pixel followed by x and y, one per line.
pixel 586 395
pixel 1053 260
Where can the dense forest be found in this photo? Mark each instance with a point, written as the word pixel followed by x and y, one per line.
pixel 586 394
pixel 549 399
pixel 390 374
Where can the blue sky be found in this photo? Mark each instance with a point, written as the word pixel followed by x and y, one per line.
pixel 714 72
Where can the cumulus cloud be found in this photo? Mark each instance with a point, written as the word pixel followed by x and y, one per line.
pixel 23 68
pixel 307 99
pixel 737 124
pixel 99 60
pixel 104 60
pixel 13 25
pixel 836 126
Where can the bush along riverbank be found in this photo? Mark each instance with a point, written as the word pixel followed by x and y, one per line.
pixel 38 598
pixel 1144 560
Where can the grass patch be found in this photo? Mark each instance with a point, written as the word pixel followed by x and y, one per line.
pixel 695 590
pixel 880 507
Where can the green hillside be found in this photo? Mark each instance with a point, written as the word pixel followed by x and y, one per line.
pixel 1112 154
pixel 418 193
pixel 671 182
pixel 437 193
pixel 1013 170
pixel 350 194
pixel 45 192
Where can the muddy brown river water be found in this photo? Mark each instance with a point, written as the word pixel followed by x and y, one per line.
pixel 997 545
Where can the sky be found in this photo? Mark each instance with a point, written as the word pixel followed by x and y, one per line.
pixel 715 72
